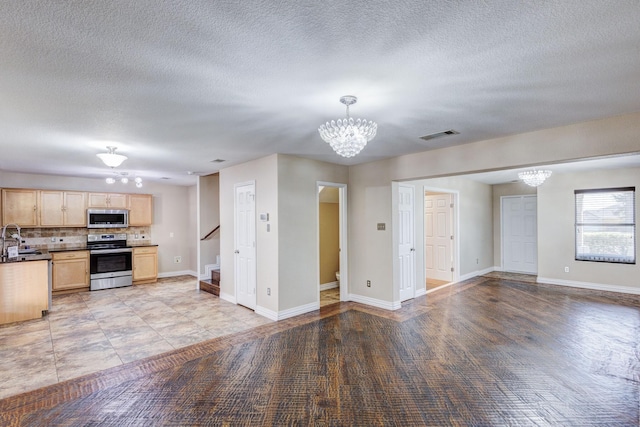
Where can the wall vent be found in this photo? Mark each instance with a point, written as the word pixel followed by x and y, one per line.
pixel 439 134
pixel 218 161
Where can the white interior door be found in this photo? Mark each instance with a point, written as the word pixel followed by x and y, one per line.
pixel 406 248
pixel 438 236
pixel 245 243
pixel 520 234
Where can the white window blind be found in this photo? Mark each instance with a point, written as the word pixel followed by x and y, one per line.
pixel 606 225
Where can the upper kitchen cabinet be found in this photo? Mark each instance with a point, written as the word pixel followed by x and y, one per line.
pixel 140 209
pixel 20 206
pixel 63 209
pixel 108 200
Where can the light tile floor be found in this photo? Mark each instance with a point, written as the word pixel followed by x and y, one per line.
pixel 90 331
pixel 330 296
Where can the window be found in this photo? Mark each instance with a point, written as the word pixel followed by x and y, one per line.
pixel 606 225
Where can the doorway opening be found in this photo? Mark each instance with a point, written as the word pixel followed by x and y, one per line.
pixel 332 271
pixel 439 239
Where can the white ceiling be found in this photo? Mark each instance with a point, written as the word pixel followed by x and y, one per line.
pixel 177 84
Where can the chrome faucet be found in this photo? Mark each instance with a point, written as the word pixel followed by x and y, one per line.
pixel 13 236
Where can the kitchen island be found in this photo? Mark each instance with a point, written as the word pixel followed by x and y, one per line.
pixel 24 288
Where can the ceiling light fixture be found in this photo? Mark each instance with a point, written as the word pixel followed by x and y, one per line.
pixel 348 137
pixel 122 176
pixel 534 178
pixel 112 159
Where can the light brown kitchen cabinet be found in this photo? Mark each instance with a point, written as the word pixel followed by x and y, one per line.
pixel 70 270
pixel 20 206
pixel 145 264
pixel 108 200
pixel 140 209
pixel 63 208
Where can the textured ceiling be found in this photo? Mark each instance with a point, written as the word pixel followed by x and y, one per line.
pixel 177 84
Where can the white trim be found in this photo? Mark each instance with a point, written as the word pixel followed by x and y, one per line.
pixel 285 314
pixel 589 285
pixel 296 311
pixel 343 239
pixel 265 312
pixel 422 291
pixel 386 305
pixel 228 297
pixel 178 273
pixel 474 274
pixel 327 286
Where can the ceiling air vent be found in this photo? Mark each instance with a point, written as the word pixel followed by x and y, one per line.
pixel 439 134
pixel 218 161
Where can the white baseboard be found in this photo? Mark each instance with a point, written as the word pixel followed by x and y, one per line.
pixel 228 297
pixel 296 311
pixel 178 273
pixel 589 285
pixel 475 274
pixel 327 286
pixel 420 292
pixel 265 312
pixel 285 314
pixel 387 305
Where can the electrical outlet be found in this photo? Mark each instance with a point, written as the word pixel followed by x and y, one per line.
pixel 477 260
pixel 177 259
pixel 368 283
pixel 268 291
pixel 566 269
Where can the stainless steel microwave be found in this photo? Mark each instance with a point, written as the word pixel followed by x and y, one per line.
pixel 107 218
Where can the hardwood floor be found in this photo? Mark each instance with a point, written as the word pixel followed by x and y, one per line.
pixel 487 351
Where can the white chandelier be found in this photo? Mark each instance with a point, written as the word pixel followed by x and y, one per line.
pixel 534 178
pixel 348 137
pixel 112 159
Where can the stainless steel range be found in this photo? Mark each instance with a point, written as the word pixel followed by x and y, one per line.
pixel 110 261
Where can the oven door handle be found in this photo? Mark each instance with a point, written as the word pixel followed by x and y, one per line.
pixel 109 251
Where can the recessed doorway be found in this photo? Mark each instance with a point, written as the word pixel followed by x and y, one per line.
pixel 332 278
pixel 438 239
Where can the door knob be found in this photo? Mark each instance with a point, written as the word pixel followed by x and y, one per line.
pixel 237 251
pixel 413 249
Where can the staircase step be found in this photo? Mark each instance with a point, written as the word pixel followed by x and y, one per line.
pixel 208 286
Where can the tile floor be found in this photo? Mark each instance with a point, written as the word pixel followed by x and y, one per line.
pixel 90 331
pixel 330 296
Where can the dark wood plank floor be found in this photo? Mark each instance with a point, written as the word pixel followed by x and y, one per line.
pixel 485 352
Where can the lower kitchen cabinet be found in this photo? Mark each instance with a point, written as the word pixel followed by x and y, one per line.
pixel 145 264
pixel 70 271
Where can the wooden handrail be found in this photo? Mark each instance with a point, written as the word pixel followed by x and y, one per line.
pixel 210 233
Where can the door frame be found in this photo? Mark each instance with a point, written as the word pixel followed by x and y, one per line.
pixel 414 277
pixel 455 229
pixel 343 240
pixel 235 241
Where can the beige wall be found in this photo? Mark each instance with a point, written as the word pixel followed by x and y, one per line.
pixel 264 172
pixel 501 190
pixel 286 189
pixel 171 211
pixel 556 229
pixel 209 187
pixel 329 242
pixel 298 226
pixel 370 198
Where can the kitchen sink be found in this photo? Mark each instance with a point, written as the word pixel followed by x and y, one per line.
pixel 29 252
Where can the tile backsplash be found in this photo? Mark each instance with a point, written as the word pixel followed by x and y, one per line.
pixel 61 238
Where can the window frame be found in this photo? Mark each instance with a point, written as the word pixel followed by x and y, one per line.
pixel 604 225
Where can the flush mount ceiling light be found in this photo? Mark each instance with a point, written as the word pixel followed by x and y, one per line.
pixel 348 137
pixel 112 159
pixel 122 176
pixel 535 177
